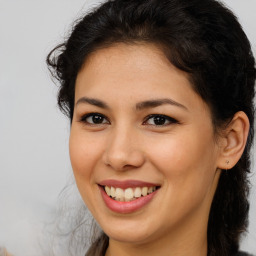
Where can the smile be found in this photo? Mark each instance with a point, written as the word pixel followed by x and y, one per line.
pixel 127 196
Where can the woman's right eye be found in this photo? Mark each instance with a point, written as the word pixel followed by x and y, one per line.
pixel 94 119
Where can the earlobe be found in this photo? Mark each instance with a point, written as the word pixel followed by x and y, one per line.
pixel 235 138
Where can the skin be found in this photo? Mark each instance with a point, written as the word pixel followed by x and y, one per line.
pixel 184 157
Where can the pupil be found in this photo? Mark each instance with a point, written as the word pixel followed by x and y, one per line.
pixel 159 120
pixel 97 119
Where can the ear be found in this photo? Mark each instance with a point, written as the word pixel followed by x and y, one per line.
pixel 233 141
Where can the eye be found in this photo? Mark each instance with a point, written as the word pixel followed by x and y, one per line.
pixel 94 119
pixel 159 120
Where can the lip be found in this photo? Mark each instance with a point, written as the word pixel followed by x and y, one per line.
pixel 126 207
pixel 127 184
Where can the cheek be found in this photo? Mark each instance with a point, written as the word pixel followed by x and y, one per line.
pixel 187 165
pixel 84 154
pixel 84 158
pixel 186 159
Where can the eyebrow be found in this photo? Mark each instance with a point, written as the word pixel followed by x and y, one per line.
pixel 139 106
pixel 91 101
pixel 158 102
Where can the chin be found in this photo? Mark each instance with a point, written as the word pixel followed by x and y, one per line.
pixel 129 236
pixel 129 232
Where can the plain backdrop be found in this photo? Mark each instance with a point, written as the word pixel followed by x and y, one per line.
pixel 34 161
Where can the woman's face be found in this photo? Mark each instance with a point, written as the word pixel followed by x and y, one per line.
pixel 142 134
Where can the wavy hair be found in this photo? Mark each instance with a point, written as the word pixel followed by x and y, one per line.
pixel 202 38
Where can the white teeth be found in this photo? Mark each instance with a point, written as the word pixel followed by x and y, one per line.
pixel 144 191
pixel 137 192
pixel 107 189
pixel 113 192
pixel 128 194
pixel 119 194
pixel 150 190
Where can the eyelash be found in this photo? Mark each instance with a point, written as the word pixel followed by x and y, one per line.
pixel 85 117
pixel 170 120
pixel 164 118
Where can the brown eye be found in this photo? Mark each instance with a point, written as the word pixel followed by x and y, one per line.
pixel 94 119
pixel 160 120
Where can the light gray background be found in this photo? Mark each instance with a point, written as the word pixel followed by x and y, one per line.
pixel 34 161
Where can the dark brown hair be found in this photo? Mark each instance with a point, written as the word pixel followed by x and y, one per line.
pixel 202 38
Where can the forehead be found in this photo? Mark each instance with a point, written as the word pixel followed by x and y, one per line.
pixel 135 51
pixel 129 63
pixel 135 71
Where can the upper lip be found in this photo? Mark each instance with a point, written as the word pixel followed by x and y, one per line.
pixel 127 183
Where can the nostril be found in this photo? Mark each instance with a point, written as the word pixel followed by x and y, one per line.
pixel 122 162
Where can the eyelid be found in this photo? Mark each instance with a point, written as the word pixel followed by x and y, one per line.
pixel 170 119
pixel 83 118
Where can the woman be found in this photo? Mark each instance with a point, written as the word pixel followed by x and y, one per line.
pixel 160 99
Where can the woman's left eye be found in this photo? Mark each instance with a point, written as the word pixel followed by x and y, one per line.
pixel 159 120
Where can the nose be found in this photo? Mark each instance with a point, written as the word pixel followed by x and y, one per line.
pixel 123 150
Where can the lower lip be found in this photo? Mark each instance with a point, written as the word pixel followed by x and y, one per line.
pixel 126 207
